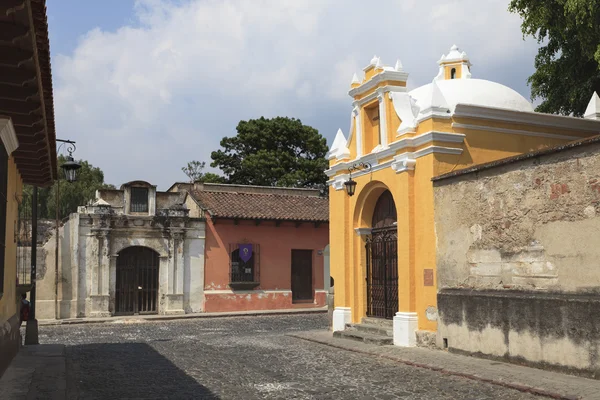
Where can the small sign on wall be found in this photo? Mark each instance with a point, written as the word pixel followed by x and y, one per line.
pixel 428 277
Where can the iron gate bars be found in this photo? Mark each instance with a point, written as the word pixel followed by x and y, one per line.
pixel 382 273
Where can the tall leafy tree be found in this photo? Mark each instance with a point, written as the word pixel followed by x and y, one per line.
pixel 71 195
pixel 273 152
pixel 568 64
pixel 193 170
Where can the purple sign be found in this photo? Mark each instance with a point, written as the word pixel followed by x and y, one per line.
pixel 245 252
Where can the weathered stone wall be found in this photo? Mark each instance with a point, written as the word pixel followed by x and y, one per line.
pixel 518 260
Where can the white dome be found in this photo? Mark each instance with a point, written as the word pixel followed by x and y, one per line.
pixel 477 92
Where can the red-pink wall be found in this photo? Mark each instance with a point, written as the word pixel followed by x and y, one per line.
pixel 276 244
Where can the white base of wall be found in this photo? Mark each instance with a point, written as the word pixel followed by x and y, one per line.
pixel 405 326
pixel 341 317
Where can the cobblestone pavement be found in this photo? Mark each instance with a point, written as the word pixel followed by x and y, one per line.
pixel 240 358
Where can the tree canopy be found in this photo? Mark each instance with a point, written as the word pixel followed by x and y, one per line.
pixel 71 195
pixel 568 65
pixel 273 152
pixel 193 170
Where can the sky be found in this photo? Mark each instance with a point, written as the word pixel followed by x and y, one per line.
pixel 145 86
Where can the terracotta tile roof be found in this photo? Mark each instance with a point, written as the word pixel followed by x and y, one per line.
pixel 252 202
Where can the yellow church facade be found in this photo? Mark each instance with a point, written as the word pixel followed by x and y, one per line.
pixel 382 236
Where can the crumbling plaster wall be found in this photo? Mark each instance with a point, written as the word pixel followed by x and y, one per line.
pixel 518 257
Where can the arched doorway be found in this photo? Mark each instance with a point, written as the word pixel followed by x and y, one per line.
pixel 137 281
pixel 382 260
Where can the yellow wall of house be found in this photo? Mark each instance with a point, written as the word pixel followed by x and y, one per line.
pixel 413 195
pixel 9 301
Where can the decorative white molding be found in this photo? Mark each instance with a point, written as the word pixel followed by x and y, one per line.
pixel 382 121
pixel 386 75
pixel 8 135
pixel 362 231
pixel 355 80
pixel 377 93
pixel 341 317
pixel 437 149
pixel 457 125
pixel 339 149
pixel 358 128
pixel 405 325
pixel 525 117
pixel 408 142
pixel 229 291
pixel 338 182
pixel 403 164
pixel 398 67
pixel 593 109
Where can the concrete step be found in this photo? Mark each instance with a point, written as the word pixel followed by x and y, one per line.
pixel 372 329
pixel 364 337
pixel 387 323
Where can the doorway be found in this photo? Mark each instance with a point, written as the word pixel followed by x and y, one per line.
pixel 137 281
pixel 382 260
pixel 302 290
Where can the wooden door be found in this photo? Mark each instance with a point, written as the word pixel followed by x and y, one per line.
pixel 302 285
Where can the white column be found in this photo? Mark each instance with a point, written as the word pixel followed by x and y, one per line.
pixel 405 325
pixel 179 263
pixel 341 317
pixel 358 128
pixel 105 264
pixel 382 120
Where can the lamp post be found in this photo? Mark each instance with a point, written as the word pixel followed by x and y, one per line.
pixel 351 183
pixel 69 168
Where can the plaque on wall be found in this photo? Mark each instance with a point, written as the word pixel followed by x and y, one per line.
pixel 428 277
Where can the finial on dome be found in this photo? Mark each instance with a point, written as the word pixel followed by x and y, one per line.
pixel 379 63
pixel 339 147
pixel 374 60
pixel 398 66
pixel 454 47
pixel 593 109
pixel 355 81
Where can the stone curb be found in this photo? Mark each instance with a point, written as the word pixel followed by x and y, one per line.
pixel 511 385
pixel 151 318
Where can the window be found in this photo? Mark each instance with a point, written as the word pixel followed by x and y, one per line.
pixel 139 199
pixel 453 73
pixel 244 265
pixel 3 203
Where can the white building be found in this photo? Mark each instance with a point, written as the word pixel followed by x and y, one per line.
pixel 133 251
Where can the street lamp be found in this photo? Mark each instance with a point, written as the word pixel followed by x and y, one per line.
pixel 351 183
pixel 70 168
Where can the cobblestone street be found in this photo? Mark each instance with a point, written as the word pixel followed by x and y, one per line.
pixel 240 358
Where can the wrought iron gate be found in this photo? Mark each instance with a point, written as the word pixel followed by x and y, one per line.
pixel 382 273
pixel 137 281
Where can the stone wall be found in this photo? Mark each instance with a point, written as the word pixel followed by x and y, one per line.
pixel 518 259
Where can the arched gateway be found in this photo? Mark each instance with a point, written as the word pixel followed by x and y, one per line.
pixel 137 281
pixel 382 260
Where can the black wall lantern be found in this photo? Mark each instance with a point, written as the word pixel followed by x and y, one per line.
pixel 351 183
pixel 70 167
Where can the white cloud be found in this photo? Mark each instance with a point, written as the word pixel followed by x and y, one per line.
pixel 143 100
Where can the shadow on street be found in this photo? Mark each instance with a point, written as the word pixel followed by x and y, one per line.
pixel 127 370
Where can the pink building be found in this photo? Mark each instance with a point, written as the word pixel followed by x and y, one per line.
pixel 264 246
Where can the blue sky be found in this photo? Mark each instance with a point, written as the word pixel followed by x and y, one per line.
pixel 145 86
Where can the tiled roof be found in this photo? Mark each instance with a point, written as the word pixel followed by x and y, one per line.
pixel 239 202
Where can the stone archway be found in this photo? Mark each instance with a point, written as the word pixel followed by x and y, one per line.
pixel 382 259
pixel 137 281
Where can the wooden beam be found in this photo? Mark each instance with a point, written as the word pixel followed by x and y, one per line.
pixel 16 76
pixel 9 32
pixel 20 107
pixel 25 120
pixel 14 56
pixel 19 93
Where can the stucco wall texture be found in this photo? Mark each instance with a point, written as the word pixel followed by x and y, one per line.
pixel 276 244
pixel 522 237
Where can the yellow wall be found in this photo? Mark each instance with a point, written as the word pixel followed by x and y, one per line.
pixel 9 301
pixel 413 195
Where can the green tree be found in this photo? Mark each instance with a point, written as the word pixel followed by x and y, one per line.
pixel 273 152
pixel 193 170
pixel 568 65
pixel 71 195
